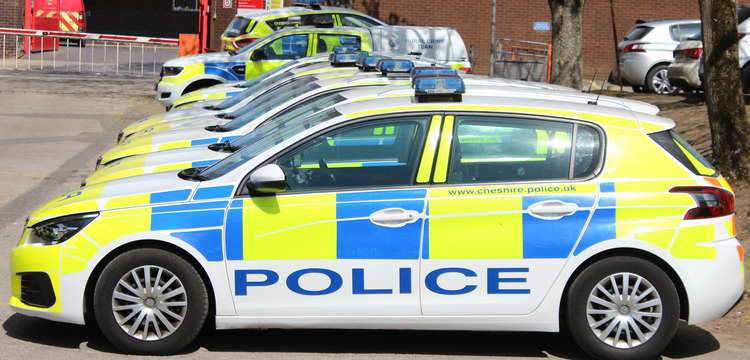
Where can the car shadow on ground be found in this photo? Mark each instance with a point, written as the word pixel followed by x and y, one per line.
pixel 689 341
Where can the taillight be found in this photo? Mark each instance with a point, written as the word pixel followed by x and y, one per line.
pixel 712 202
pixel 692 53
pixel 634 47
pixel 740 35
pixel 243 42
pixel 465 69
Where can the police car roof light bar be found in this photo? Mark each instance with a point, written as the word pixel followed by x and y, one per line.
pixel 370 63
pixel 395 66
pixel 344 59
pixel 313 4
pixel 361 58
pixel 432 71
pixel 439 88
pixel 345 49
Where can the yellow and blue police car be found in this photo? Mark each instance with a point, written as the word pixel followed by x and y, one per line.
pixel 436 211
pixel 246 29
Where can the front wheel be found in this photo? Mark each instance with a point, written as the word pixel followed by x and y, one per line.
pixel 623 308
pixel 150 301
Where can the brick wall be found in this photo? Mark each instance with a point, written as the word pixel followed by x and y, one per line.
pixel 11 15
pixel 220 19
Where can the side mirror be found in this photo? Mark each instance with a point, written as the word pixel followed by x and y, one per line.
pixel 258 55
pixel 267 179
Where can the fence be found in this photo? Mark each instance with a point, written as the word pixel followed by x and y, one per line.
pixel 63 51
pixel 523 60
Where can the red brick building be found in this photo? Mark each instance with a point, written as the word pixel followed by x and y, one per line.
pixel 11 15
pixel 515 20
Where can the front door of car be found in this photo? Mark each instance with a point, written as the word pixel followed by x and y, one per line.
pixel 275 53
pixel 505 212
pixel 344 238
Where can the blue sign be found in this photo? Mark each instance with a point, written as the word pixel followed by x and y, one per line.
pixel 541 26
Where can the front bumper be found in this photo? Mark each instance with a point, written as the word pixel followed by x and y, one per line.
pixel 67 286
pixel 713 285
pixel 167 92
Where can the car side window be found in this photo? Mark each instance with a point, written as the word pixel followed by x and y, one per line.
pixel 326 42
pixel 357 21
pixel 285 22
pixel 319 20
pixel 487 149
pixel 588 151
pixel 689 31
pixel 371 154
pixel 287 48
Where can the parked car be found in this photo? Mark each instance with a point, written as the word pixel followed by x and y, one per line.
pixel 648 50
pixel 686 72
pixel 683 72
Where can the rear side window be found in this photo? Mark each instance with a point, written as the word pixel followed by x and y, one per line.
pixel 285 22
pixel 237 27
pixel 684 32
pixel 638 32
pixel 683 152
pixel 487 149
pixel 357 21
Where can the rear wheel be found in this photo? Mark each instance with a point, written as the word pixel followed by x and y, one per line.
pixel 150 301
pixel 657 81
pixel 623 308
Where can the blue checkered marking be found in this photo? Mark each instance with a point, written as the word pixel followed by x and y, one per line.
pixel 188 216
pixel 203 163
pixel 607 196
pixel 207 242
pixel 204 141
pixel 214 192
pixel 601 228
pixel 224 70
pixel 169 196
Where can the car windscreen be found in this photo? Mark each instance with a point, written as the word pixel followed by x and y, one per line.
pixel 290 116
pixel 236 27
pixel 231 162
pixel 268 101
pixel 251 92
pixel 638 32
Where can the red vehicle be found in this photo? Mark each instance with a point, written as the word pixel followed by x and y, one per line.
pixel 54 15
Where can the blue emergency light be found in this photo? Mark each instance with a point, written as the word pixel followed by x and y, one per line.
pixel 349 41
pixel 370 63
pixel 433 71
pixel 438 88
pixel 345 49
pixel 361 58
pixel 342 59
pixel 308 2
pixel 395 66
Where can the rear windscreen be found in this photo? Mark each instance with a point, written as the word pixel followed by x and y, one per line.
pixel 683 152
pixel 638 32
pixel 237 27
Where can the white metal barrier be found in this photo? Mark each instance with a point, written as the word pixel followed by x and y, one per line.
pixel 92 53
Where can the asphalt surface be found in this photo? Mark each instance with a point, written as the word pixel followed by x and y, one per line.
pixel 52 128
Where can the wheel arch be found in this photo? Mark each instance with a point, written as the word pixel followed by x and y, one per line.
pixel 658 63
pixel 634 252
pixel 88 299
pixel 202 83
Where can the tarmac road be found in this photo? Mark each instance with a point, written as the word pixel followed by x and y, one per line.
pixel 51 131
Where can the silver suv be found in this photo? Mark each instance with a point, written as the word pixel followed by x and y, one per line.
pixel 648 50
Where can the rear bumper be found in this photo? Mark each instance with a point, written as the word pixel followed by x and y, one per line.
pixel 713 286
pixel 685 75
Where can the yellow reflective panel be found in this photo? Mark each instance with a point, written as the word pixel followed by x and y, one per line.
pixel 702 169
pixel 108 175
pixel 630 154
pixel 687 246
pixel 290 227
pixel 644 220
pixel 443 159
pixel 127 201
pixel 651 127
pixel 174 145
pixel 188 73
pixel 660 238
pixel 606 120
pixel 428 153
pixel 112 225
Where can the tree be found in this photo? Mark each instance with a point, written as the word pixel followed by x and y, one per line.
pixel 566 42
pixel 730 131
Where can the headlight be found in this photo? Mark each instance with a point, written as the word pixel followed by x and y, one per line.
pixel 171 70
pixel 58 230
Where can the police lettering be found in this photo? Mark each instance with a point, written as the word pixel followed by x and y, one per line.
pixel 497 280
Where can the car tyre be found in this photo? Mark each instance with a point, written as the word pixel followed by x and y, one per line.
pixel 638 328
pixel 638 89
pixel 657 81
pixel 150 302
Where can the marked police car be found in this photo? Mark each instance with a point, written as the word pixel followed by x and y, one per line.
pixel 188 73
pixel 182 75
pixel 246 29
pixel 438 211
pixel 296 117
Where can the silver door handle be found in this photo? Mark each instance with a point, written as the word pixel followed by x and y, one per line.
pixel 552 209
pixel 394 217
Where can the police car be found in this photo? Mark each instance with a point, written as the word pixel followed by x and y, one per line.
pixel 246 29
pixel 291 116
pixel 436 211
pixel 188 73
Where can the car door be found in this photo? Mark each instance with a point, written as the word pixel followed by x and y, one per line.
pixel 344 238
pixel 275 53
pixel 505 212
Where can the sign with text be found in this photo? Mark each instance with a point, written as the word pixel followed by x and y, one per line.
pixel 251 4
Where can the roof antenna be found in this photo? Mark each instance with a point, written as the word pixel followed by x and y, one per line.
pixel 591 85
